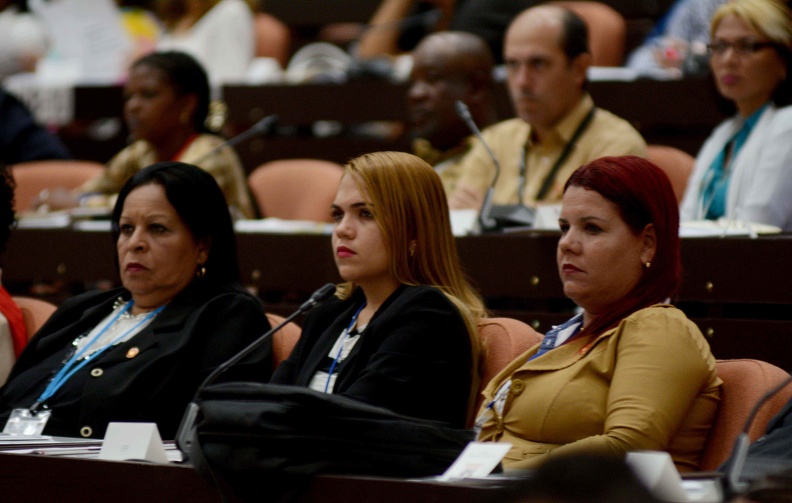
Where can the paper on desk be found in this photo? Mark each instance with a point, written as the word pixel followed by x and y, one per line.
pixel 52 220
pixel 279 226
pixel 93 225
pixel 723 227
pixel 7 439
pixel 656 470
pixel 611 73
pixel 463 222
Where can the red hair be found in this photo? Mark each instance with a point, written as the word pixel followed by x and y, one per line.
pixel 643 195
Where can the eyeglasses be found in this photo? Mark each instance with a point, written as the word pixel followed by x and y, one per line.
pixel 740 47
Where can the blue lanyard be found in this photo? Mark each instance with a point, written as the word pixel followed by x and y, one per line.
pixel 69 368
pixel 341 346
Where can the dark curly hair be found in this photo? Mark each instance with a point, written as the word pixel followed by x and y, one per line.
pixel 187 77
pixel 7 220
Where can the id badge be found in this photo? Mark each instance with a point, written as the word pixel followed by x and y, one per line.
pixel 24 422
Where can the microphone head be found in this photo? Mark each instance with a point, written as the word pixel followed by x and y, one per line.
pixel 323 293
pixel 318 297
pixel 462 110
pixel 265 124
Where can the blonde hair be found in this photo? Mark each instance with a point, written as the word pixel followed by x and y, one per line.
pixel 410 208
pixel 771 18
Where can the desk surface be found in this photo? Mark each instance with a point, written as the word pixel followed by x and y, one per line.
pixel 36 478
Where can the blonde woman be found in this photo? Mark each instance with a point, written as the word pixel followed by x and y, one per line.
pixel 744 170
pixel 402 332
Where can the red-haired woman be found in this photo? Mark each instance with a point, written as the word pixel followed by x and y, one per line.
pixel 630 372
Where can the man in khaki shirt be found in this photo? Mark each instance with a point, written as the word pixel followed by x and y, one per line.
pixel 558 129
pixel 448 66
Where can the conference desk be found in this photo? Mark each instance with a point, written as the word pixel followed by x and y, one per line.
pixel 38 478
pixel 736 289
pixel 679 113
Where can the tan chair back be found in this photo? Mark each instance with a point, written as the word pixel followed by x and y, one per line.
pixel 607 31
pixel 744 383
pixel 33 177
pixel 296 189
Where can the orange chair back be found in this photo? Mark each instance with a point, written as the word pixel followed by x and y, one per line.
pixel 744 383
pixel 272 37
pixel 296 189
pixel 607 31
pixel 33 177
pixel 677 166
pixel 36 312
pixel 283 340
pixel 502 340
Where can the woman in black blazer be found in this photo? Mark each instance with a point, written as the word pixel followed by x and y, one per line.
pixel 401 333
pixel 139 353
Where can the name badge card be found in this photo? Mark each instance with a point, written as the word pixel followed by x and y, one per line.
pixel 477 460
pixel 24 422
pixel 139 441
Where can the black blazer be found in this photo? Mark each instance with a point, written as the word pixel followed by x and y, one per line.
pixel 414 357
pixel 194 334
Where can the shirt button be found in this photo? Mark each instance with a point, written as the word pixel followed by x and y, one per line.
pixel 517 386
pixel 86 431
pixel 96 372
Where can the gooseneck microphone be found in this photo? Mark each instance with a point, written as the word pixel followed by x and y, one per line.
pixel 486 222
pixel 736 462
pixel 261 127
pixel 185 433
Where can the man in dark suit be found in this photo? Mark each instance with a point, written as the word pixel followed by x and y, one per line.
pixel 21 138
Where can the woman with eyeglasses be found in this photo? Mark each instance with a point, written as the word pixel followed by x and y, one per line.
pixel 744 170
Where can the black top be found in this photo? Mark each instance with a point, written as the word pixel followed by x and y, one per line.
pixel 21 139
pixel 414 357
pixel 154 382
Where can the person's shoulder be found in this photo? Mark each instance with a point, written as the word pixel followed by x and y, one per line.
pixel 510 128
pixel 97 295
pixel 423 297
pixel 420 292
pixel 230 293
pixel 605 120
pixel 666 318
pixel 609 134
pixel 208 140
pixel 90 299
pixel 232 7
pixel 331 307
pixel 782 116
pixel 136 149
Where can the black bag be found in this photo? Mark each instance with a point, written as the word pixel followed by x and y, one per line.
pixel 265 440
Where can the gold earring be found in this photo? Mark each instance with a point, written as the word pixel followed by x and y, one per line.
pixel 201 272
pixel 412 249
pixel 648 265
